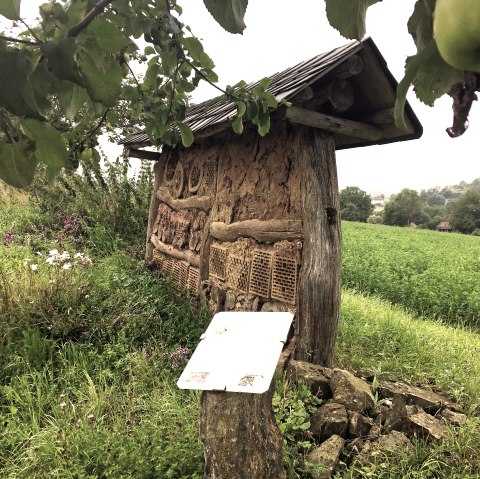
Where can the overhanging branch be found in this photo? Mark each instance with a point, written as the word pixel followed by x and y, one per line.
pixel 91 15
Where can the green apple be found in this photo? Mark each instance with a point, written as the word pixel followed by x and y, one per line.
pixel 456 27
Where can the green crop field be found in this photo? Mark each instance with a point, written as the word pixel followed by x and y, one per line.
pixel 432 274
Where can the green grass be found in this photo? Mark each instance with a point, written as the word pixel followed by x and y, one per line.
pixel 391 342
pixel 89 358
pixel 430 273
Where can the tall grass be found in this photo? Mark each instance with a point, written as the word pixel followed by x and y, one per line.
pixel 89 354
pixel 432 274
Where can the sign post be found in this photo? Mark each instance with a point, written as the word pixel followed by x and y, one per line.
pixel 234 365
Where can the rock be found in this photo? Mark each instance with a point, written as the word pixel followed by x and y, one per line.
pixel 423 425
pixel 428 400
pixel 358 425
pixel 325 457
pixel 330 419
pixel 352 392
pixel 390 445
pixel 352 449
pixel 375 431
pixel 317 377
pixel 454 418
pixel 230 300
pixel 396 413
pixel 271 306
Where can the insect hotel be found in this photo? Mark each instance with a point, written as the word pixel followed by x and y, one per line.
pixel 253 223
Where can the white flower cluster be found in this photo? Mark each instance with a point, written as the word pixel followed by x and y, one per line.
pixel 62 260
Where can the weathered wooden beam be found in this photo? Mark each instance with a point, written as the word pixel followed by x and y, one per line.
pixel 185 255
pixel 381 117
pixel 338 92
pixel 304 95
pixel 143 154
pixel 198 202
pixel 349 68
pixel 158 169
pixel 302 116
pixel 318 307
pixel 270 231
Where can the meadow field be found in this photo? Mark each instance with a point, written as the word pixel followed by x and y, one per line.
pixel 91 345
pixel 431 274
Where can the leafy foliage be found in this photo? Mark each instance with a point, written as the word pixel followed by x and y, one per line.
pixel 465 215
pixel 404 209
pixel 430 71
pixel 355 204
pixel 67 79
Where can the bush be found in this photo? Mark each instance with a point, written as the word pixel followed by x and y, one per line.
pixel 110 201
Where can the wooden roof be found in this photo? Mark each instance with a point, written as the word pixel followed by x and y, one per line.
pixel 357 65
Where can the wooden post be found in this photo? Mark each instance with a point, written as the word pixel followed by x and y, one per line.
pixel 158 168
pixel 241 439
pixel 319 292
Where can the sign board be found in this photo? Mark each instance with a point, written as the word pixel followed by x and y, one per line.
pixel 238 352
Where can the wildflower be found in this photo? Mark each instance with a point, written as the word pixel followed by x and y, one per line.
pixel 34 267
pixel 51 260
pixel 26 261
pixel 63 405
pixel 78 256
pixel 39 253
pixel 86 261
pixel 53 252
pixel 64 256
pixel 91 417
pixel 67 266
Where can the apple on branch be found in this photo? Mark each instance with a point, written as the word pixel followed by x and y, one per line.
pixel 456 28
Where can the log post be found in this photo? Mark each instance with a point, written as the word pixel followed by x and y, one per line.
pixel 158 168
pixel 240 437
pixel 319 291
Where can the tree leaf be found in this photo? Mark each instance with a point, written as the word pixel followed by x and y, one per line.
pixel 10 9
pixel 186 134
pixel 431 76
pixel 420 25
pixel 49 145
pixel 61 56
pixel 17 164
pixel 72 100
pixel 348 16
pixel 16 93
pixel 237 125
pixel 103 83
pixel 241 108
pixel 109 38
pixel 228 13
pixel 194 47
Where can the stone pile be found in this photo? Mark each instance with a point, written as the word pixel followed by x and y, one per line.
pixel 356 426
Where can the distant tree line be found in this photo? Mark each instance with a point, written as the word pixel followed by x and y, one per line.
pixel 459 205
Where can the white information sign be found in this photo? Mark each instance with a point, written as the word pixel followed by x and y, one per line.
pixel 238 352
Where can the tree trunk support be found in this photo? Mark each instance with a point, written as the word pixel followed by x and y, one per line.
pixel 240 437
pixel 319 290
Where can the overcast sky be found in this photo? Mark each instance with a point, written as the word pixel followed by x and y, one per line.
pixel 281 33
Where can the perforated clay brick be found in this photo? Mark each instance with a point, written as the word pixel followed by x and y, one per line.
pixel 260 273
pixel 218 262
pixel 284 279
pixel 237 273
pixel 193 278
pixel 180 273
